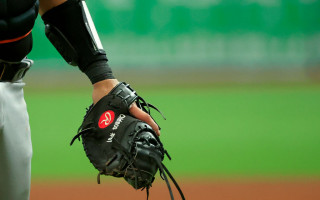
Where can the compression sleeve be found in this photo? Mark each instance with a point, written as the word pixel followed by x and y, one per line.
pixel 68 30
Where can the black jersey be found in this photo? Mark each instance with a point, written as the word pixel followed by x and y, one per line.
pixel 17 17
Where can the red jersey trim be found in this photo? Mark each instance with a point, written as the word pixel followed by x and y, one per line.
pixel 14 39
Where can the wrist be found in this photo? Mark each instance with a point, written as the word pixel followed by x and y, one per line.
pixel 106 85
pixel 99 71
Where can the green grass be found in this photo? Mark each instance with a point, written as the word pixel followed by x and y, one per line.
pixel 220 131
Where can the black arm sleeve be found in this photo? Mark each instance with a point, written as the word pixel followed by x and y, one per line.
pixel 68 21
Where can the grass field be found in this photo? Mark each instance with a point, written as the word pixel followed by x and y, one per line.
pixel 225 131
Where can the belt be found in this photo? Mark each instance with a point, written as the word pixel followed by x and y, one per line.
pixel 11 72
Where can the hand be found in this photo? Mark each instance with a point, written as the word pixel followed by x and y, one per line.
pixel 102 88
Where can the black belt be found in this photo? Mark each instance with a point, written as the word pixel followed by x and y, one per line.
pixel 11 72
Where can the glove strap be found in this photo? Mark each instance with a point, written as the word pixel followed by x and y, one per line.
pixel 125 92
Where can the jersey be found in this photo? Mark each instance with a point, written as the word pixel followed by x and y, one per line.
pixel 17 17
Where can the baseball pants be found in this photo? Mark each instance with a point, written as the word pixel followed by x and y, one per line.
pixel 15 143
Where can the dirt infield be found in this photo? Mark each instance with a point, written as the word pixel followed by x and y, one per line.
pixel 195 190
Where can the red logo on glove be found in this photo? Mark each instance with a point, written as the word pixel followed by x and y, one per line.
pixel 106 119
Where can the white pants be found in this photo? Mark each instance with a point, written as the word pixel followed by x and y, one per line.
pixel 15 143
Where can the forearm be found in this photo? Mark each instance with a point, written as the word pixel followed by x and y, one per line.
pixel 69 29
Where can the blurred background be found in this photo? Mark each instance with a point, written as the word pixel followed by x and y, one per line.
pixel 237 80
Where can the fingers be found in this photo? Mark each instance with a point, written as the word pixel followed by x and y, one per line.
pixel 143 116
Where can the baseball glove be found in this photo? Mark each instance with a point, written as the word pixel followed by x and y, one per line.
pixel 119 145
